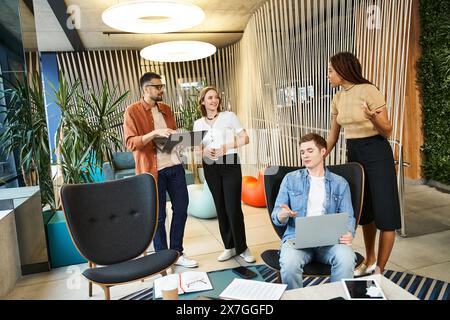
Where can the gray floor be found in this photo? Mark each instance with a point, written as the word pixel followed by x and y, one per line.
pixel 424 251
pixel 426 210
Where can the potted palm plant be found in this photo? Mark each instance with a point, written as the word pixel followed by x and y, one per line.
pixel 25 130
pixel 85 136
pixel 188 113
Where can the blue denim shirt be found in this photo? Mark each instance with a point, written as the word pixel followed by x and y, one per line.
pixel 294 191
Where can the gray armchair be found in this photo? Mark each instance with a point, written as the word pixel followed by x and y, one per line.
pixel 112 224
pixel 122 166
pixel 273 176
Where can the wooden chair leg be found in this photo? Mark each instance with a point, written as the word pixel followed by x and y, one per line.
pixel 107 293
pixel 90 265
pixel 144 254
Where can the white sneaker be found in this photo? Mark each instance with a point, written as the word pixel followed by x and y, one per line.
pixel 227 254
pixel 186 262
pixel 247 256
pixel 363 270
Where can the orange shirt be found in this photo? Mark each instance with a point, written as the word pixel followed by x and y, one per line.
pixel 138 121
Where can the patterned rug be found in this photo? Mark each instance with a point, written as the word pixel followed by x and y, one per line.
pixel 421 287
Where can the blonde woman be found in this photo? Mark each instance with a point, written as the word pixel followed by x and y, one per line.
pixel 222 170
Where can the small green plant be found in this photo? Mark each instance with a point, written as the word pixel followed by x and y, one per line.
pixel 189 112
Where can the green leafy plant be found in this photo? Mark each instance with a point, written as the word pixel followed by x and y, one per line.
pixel 85 136
pixel 189 112
pixel 25 130
pixel 434 77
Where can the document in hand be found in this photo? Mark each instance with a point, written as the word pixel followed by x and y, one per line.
pixel 189 281
pixel 241 289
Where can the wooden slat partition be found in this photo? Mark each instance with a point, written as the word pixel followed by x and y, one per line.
pixel 275 77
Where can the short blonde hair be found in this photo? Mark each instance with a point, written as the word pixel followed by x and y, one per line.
pixel 201 99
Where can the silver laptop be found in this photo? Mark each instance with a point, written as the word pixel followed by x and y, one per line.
pixel 318 231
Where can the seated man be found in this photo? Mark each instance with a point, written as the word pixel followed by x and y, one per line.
pixel 310 192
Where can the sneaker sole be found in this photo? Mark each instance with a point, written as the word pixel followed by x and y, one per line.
pixel 187 266
pixel 248 261
pixel 222 260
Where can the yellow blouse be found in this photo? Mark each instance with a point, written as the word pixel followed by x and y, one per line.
pixel 347 106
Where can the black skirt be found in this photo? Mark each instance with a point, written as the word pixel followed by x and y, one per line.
pixel 381 202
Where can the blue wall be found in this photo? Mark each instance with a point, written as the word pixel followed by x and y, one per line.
pixel 49 74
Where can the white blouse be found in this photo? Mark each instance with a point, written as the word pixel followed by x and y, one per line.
pixel 223 131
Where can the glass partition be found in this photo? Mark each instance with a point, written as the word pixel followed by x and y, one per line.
pixel 12 69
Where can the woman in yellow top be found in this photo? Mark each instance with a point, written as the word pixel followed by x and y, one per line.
pixel 361 109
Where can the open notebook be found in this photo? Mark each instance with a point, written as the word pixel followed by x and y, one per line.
pixel 189 281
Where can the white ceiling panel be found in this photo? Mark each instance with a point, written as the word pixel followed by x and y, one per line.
pixel 222 16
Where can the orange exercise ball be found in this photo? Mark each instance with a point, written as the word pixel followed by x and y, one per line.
pixel 253 191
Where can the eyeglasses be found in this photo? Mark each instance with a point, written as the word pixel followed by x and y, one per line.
pixel 156 86
pixel 195 281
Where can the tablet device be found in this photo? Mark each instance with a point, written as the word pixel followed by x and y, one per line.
pixel 362 289
pixel 244 272
pixel 185 139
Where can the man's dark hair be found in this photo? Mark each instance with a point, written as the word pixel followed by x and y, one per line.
pixel 147 77
pixel 318 140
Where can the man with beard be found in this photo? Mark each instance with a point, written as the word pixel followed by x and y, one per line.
pixel 146 122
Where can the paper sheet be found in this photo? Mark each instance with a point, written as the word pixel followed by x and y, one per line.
pixel 241 289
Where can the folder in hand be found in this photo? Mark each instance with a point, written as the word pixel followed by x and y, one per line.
pixel 186 139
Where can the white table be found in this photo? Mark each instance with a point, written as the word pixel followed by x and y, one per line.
pixel 335 289
pixel 4 213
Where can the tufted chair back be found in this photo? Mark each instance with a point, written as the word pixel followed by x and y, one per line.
pixel 114 221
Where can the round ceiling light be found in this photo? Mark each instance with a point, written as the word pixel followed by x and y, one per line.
pixel 153 16
pixel 177 51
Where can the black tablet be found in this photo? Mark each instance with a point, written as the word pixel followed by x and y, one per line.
pixel 362 289
pixel 186 139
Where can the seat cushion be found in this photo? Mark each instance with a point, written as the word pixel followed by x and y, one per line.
pixel 271 258
pixel 314 268
pixel 125 173
pixel 134 269
pixel 318 269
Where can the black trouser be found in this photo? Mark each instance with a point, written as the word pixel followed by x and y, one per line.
pixel 224 178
